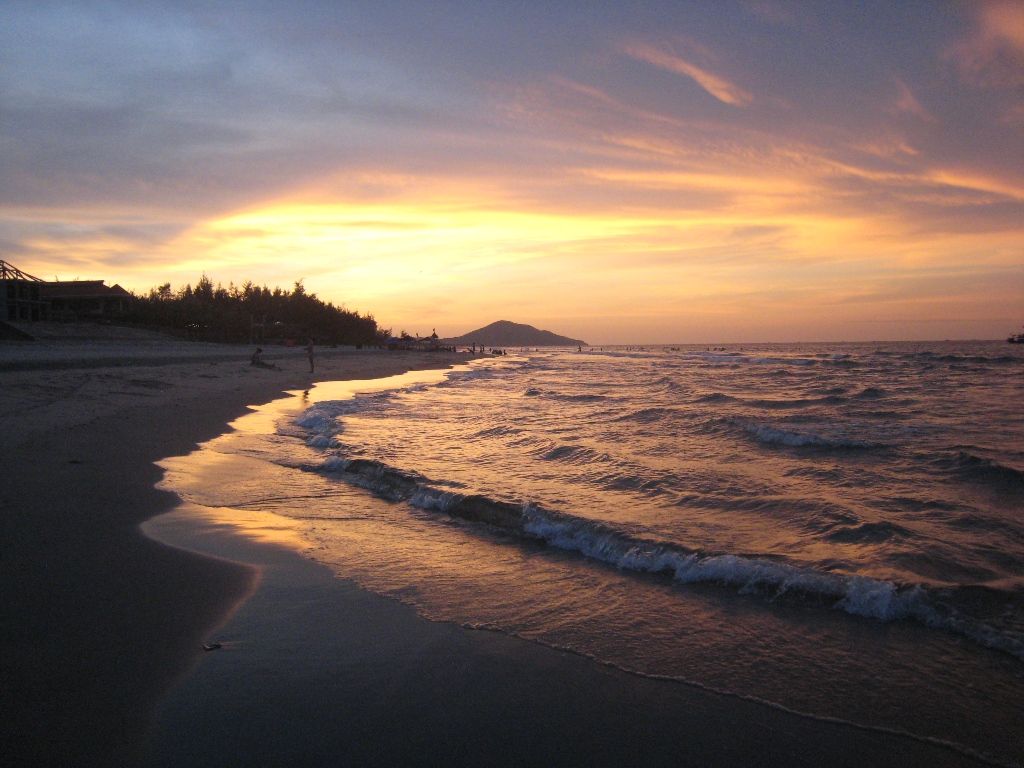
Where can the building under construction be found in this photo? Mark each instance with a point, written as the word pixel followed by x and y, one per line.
pixel 21 296
pixel 25 298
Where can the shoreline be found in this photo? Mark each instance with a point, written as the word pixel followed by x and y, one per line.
pixel 99 620
pixel 315 670
pixel 104 639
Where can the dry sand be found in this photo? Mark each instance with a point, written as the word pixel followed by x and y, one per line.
pixel 102 627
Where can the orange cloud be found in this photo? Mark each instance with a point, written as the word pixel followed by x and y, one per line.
pixel 717 86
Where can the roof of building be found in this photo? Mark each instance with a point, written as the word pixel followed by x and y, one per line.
pixel 10 272
pixel 82 289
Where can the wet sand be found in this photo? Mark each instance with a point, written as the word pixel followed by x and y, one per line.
pixel 103 627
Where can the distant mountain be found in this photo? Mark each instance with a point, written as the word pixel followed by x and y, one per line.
pixel 508 334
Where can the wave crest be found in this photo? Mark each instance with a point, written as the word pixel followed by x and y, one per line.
pixel 765 433
pixel 856 595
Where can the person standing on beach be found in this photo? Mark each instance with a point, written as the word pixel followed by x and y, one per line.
pixel 309 353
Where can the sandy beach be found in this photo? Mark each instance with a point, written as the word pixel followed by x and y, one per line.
pixel 103 626
pixel 98 619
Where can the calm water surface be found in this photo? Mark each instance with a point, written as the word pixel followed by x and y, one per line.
pixel 833 529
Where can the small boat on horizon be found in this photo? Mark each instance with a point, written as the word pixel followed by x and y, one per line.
pixel 1016 338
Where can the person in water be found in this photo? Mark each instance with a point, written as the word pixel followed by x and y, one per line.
pixel 309 353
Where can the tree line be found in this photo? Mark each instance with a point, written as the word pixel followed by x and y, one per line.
pixel 252 313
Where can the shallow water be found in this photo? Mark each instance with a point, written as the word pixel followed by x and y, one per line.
pixel 832 529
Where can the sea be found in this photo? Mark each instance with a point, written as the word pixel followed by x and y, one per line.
pixel 836 530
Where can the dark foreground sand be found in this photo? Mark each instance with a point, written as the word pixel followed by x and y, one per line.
pixel 102 627
pixel 98 620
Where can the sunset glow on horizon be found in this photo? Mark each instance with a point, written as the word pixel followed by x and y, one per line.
pixel 752 171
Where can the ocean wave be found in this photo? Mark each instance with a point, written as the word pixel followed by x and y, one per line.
pixel 719 360
pixel 868 533
pixel 323 418
pixel 798 402
pixel 459 377
pixel 322 441
pixel 647 486
pixel 668 385
pixel 982 470
pixel 715 397
pixel 856 595
pixel 383 480
pixel 575 398
pixel 500 430
pixel 580 398
pixel 977 359
pixel 647 415
pixel 871 393
pixel 781 361
pixel 770 435
pixel 839 390
pixel 572 454
pixel 742 358
pixel 955 358
pixel 842 362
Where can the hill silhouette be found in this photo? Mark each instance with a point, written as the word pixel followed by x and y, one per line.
pixel 505 333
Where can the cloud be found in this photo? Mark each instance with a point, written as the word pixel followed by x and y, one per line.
pixel 907 103
pixel 992 55
pixel 717 86
pixel 399 152
pixel 888 147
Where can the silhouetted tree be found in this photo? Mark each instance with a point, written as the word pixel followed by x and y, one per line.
pixel 217 313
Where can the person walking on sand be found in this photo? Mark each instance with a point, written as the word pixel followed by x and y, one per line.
pixel 309 353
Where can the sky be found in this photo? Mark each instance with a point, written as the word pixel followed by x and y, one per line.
pixel 691 172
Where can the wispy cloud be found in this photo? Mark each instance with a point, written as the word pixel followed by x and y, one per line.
pixel 717 86
pixel 907 103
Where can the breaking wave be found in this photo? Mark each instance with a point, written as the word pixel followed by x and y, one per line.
pixel 856 595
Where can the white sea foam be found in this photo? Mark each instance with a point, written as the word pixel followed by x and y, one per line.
pixel 322 441
pixel 880 599
pixel 334 464
pixel 316 419
pixel 857 595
